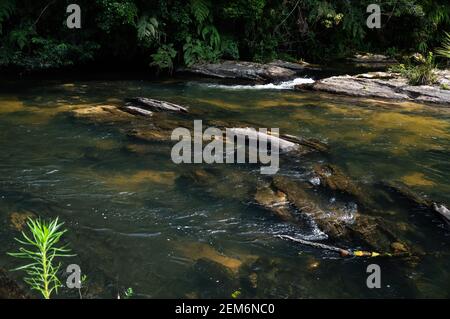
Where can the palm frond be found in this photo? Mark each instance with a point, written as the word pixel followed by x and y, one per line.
pixel 444 51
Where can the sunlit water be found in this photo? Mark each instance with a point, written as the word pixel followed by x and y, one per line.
pixel 134 220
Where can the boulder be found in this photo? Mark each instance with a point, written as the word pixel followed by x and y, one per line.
pixel 338 223
pixel 333 179
pixel 242 70
pixel 331 223
pixel 383 85
pixel 255 136
pixel 274 201
pixel 297 67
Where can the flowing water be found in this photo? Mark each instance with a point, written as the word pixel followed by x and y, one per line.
pixel 134 220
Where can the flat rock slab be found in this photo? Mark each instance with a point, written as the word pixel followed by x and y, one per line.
pixel 242 70
pixel 380 86
pixel 297 67
pixel 141 104
pixel 372 61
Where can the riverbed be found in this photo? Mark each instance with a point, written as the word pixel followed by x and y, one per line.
pixel 135 221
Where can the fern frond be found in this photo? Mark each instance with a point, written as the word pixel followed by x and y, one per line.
pixel 7 8
pixel 200 10
pixel 147 29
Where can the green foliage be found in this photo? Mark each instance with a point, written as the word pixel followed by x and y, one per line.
pixel 40 248
pixel 147 30
pixel 422 74
pixel 236 294
pixel 200 10
pixel 7 8
pixel 197 51
pixel 116 13
pixel 129 293
pixel 444 51
pixel 163 58
pixel 229 48
pixel 205 30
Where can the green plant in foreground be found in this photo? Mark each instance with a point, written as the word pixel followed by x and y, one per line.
pixel 129 293
pixel 40 249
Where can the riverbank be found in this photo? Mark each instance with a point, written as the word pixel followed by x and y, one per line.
pixel 378 84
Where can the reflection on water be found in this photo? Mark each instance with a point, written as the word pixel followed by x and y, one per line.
pixel 138 220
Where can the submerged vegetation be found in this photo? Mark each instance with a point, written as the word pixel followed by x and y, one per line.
pixel 164 33
pixel 40 248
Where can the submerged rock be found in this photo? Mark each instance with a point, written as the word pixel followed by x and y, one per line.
pixel 102 114
pixel 417 200
pixel 311 143
pixel 275 201
pixel 9 289
pixel 150 134
pixel 408 194
pixel 219 184
pixel 332 178
pixel 19 219
pixel 338 223
pixel 331 223
pixel 202 251
pixel 242 70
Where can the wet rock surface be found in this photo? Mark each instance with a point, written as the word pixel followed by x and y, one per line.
pixel 297 67
pixel 331 223
pixel 339 223
pixel 152 105
pixel 417 200
pixel 288 199
pixel 333 179
pixel 242 70
pixel 276 202
pixel 102 114
pixel 381 85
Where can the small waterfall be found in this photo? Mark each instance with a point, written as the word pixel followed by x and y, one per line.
pixel 287 85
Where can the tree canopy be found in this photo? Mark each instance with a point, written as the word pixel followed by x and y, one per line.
pixel 164 33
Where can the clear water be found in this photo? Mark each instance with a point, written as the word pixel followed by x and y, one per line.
pixel 135 221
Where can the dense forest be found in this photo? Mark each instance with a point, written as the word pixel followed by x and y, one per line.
pixel 165 33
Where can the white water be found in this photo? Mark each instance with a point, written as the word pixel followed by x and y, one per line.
pixel 287 85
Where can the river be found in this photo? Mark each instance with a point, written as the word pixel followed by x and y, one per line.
pixel 134 220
